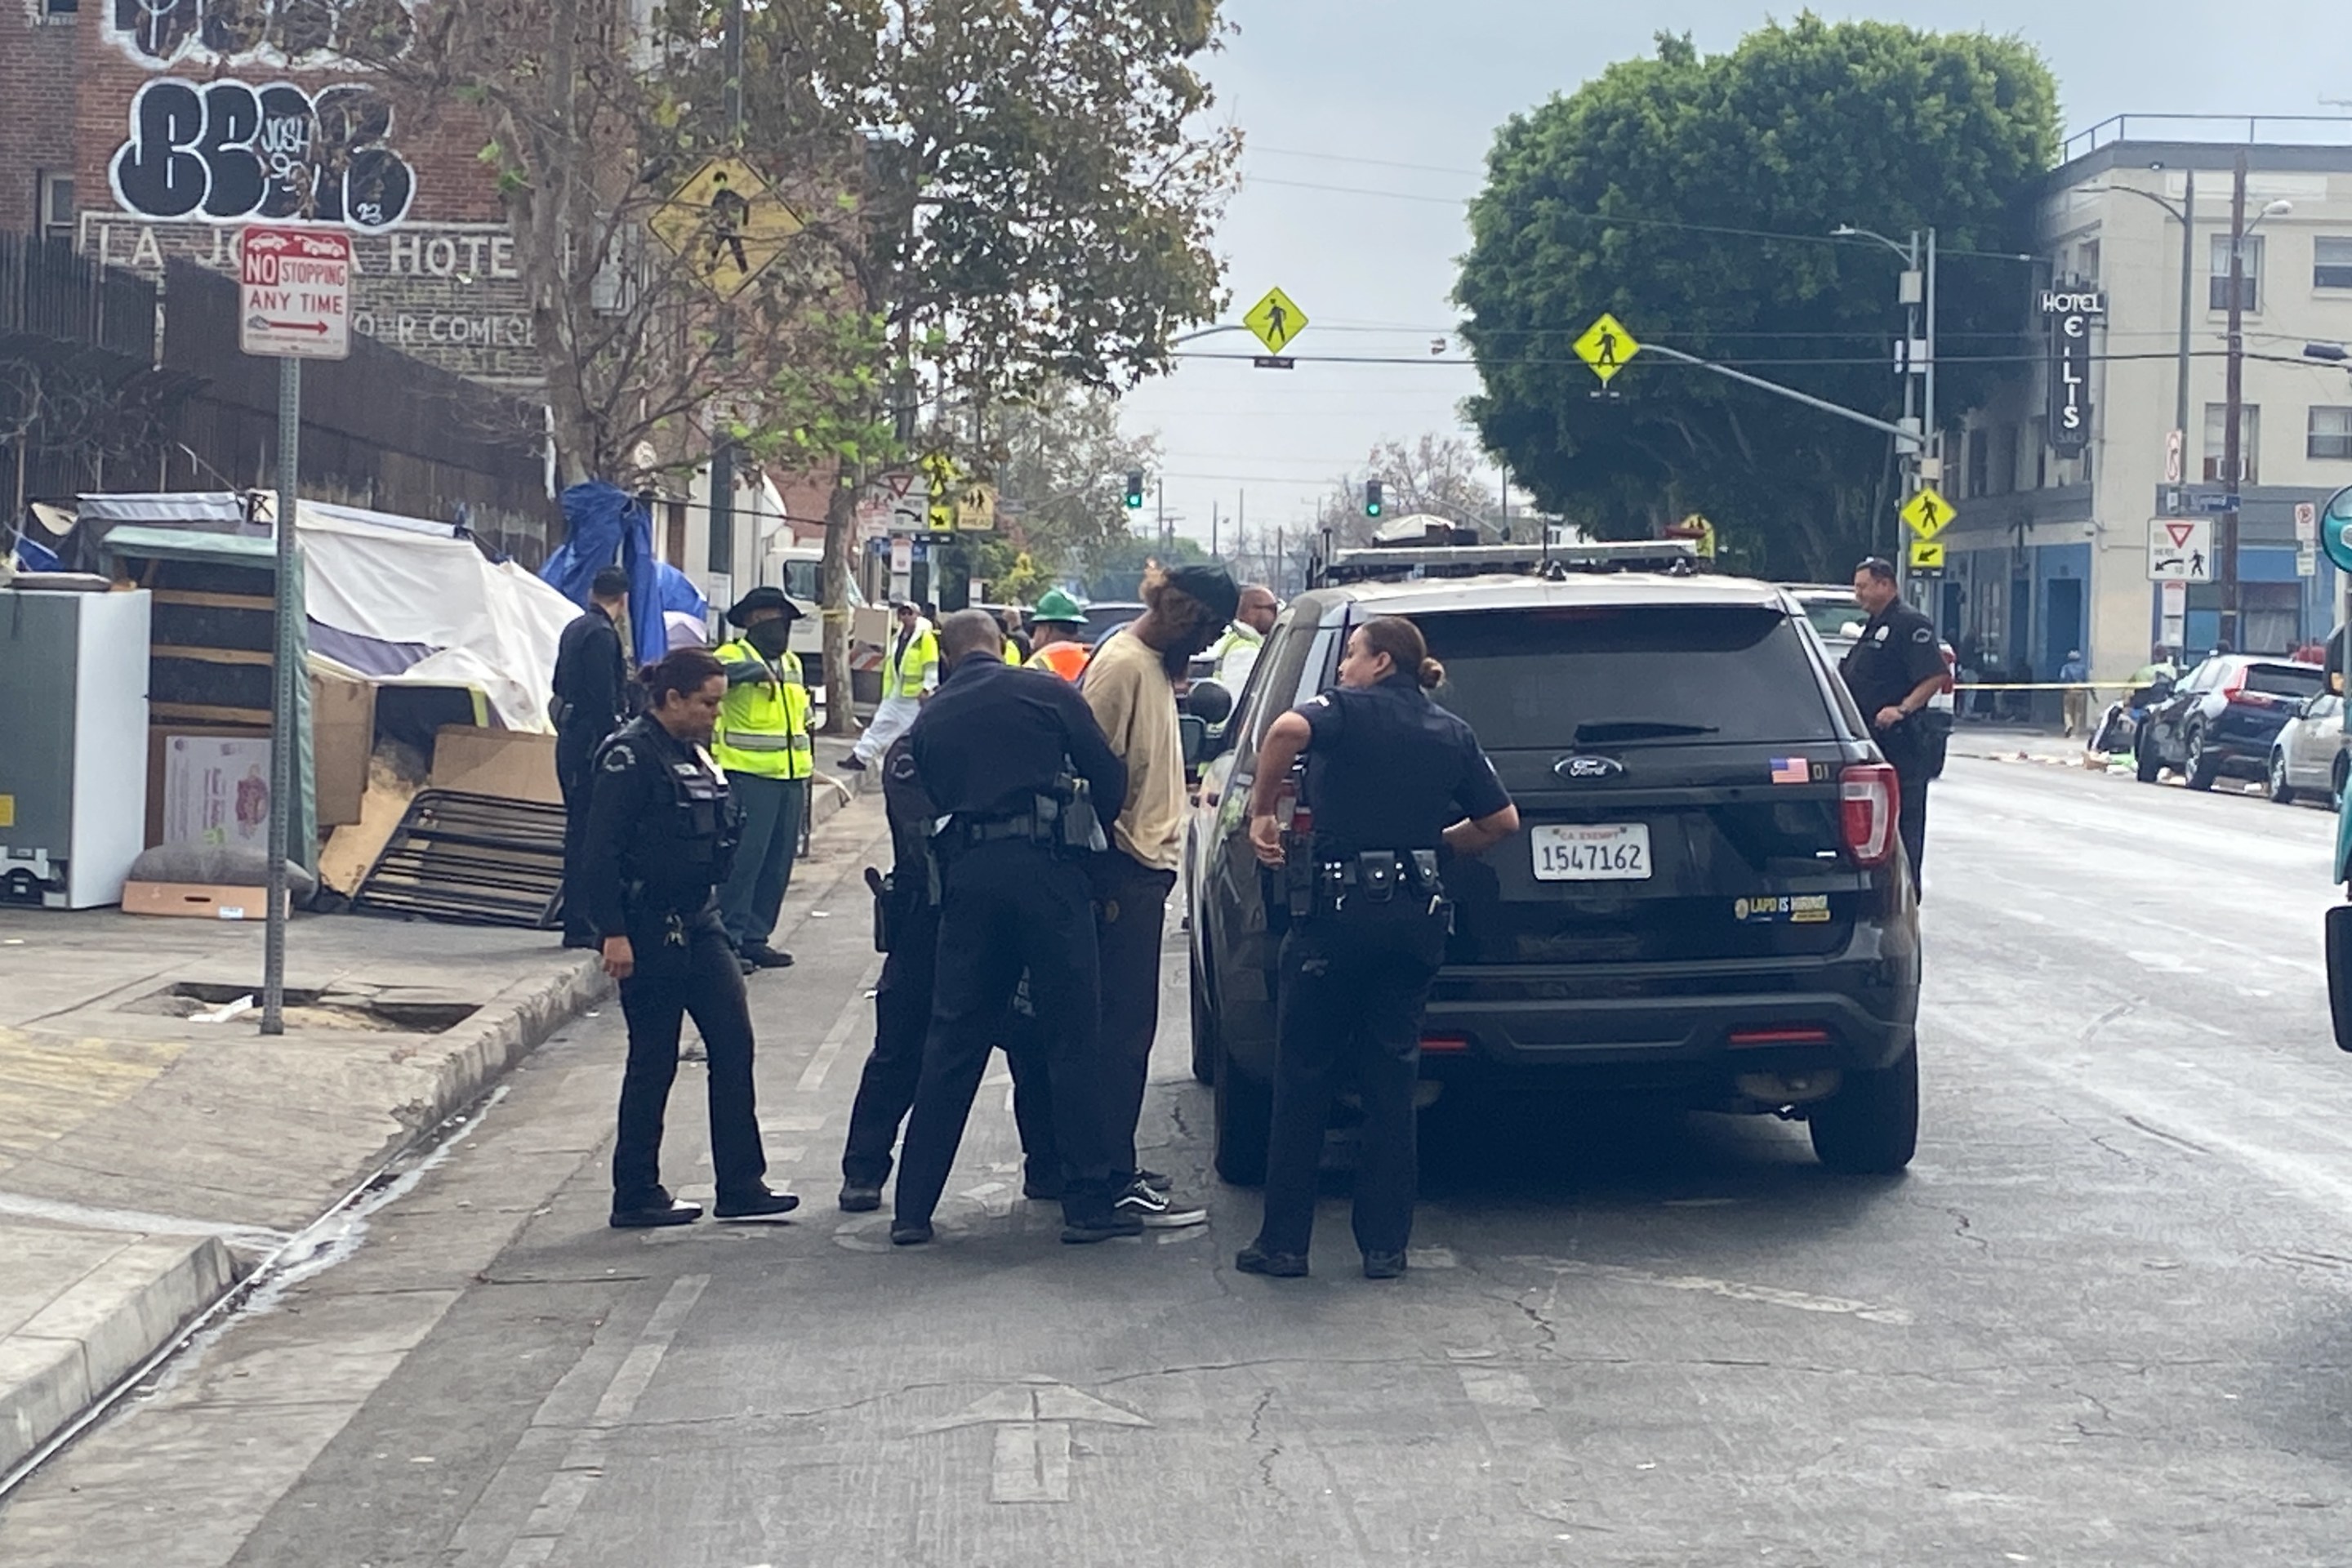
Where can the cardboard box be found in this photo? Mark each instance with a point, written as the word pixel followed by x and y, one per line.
pixel 343 737
pixel 513 765
pixel 198 900
pixel 215 790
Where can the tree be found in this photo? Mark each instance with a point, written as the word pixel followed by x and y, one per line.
pixel 1439 475
pixel 1622 196
pixel 1117 572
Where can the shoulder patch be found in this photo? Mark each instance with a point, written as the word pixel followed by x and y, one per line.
pixel 1320 700
pixel 618 758
pixel 1923 634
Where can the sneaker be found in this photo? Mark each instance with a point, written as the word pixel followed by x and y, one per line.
pixel 655 1215
pixel 757 1203
pixel 1084 1232
pixel 1156 1209
pixel 1154 1179
pixel 1257 1260
pixel 1383 1265
pixel 858 1198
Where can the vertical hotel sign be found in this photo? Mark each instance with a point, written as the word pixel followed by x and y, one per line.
pixel 2068 313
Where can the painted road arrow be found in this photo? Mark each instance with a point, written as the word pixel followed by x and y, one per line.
pixel 1033 1420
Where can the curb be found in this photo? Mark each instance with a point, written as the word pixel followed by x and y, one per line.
pixel 80 1346
pixel 507 1028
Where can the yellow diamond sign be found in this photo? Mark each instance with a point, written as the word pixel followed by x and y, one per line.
pixel 1276 320
pixel 727 224
pixel 1928 513
pixel 1606 345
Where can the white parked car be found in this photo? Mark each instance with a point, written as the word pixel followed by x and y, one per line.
pixel 2310 755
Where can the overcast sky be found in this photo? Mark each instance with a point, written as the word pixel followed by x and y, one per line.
pixel 1337 97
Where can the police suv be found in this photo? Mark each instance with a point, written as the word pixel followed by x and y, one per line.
pixel 1706 899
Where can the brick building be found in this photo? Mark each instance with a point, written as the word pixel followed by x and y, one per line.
pixel 145 130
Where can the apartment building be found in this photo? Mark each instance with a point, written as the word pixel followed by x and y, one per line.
pixel 2051 551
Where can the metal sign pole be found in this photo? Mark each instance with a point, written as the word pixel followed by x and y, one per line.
pixel 282 739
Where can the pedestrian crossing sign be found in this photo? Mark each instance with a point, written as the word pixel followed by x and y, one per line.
pixel 1276 320
pixel 1928 514
pixel 727 224
pixel 1927 556
pixel 1605 346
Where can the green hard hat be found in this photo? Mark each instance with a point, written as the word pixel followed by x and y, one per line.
pixel 1056 606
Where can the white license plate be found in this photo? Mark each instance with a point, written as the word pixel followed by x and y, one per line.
pixel 1599 852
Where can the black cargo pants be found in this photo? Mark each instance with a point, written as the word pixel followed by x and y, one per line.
pixel 700 977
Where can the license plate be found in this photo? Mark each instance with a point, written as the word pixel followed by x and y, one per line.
pixel 1599 852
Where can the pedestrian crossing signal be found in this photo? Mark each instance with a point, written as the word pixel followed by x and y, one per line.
pixel 1373 500
pixel 1135 489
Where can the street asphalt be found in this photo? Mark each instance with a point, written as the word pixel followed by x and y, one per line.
pixel 2105 1317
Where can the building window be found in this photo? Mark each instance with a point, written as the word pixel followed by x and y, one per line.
pixel 1979 462
pixel 2331 263
pixel 2216 295
pixel 2250 442
pixel 2329 434
pixel 2087 261
pixel 57 207
pixel 61 7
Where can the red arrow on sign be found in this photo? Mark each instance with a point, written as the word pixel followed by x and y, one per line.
pixel 2180 532
pixel 318 327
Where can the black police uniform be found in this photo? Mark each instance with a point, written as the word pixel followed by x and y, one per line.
pixel 592 701
pixel 902 1006
pixel 1897 651
pixel 988 744
pixel 1387 772
pixel 660 837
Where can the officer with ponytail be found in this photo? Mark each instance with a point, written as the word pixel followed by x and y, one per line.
pixel 661 835
pixel 1394 782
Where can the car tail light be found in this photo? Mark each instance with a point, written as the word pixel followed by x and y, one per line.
pixel 1794 1034
pixel 1445 1044
pixel 1868 798
pixel 2235 687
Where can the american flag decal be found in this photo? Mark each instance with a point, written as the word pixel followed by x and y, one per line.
pixel 1790 771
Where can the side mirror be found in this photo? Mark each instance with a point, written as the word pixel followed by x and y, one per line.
pixel 1192 733
pixel 1210 702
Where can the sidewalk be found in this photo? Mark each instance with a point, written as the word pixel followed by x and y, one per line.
pixel 2020 743
pixel 149 1159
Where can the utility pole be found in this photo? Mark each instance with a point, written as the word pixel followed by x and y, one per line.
pixel 2233 411
pixel 721 556
pixel 2187 291
pixel 1159 509
pixel 1213 527
pixel 1929 464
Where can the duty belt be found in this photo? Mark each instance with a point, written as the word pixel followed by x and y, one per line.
pixel 1375 876
pixel 998 830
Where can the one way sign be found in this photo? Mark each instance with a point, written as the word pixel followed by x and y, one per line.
pixel 2180 549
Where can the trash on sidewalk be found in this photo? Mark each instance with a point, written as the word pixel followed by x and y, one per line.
pixel 225 1011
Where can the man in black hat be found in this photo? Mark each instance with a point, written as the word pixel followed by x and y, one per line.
pixel 762 742
pixel 592 700
pixel 1130 684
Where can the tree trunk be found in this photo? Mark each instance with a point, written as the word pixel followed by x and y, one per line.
pixel 832 570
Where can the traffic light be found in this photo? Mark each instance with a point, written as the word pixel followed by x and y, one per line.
pixel 1373 498
pixel 1135 489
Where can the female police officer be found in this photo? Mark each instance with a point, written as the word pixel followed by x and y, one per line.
pixel 661 829
pixel 1387 771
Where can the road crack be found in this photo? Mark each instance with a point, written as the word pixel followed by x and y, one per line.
pixel 1273 1451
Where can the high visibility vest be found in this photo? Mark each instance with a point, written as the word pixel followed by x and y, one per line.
pixel 903 676
pixel 763 724
pixel 1067 659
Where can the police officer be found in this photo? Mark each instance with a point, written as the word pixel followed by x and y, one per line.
pixel 995 750
pixel 908 925
pixel 1893 671
pixel 764 744
pixel 661 829
pixel 1391 778
pixel 591 700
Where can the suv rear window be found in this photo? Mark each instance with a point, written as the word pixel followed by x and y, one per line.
pixel 1625 675
pixel 2285 679
pixel 1840 617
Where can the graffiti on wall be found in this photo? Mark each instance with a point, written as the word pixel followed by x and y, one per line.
pixel 290 33
pixel 223 152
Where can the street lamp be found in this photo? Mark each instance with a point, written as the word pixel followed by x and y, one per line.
pixel 1918 418
pixel 2185 215
pixel 2233 397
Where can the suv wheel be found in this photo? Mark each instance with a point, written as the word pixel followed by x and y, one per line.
pixel 1204 1032
pixel 2282 791
pixel 1245 1122
pixel 1871 1125
pixel 2144 752
pixel 2198 764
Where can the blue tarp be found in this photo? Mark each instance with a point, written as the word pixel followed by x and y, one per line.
pixel 34 557
pixel 603 524
pixel 678 593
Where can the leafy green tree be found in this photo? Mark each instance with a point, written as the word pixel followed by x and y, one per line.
pixel 1622 195
pixel 1118 567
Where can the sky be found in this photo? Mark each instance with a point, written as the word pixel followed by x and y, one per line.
pixel 1367 124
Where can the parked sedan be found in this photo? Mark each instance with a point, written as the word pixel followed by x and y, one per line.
pixel 2223 718
pixel 2313 752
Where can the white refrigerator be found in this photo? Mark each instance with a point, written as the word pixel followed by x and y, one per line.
pixel 73 744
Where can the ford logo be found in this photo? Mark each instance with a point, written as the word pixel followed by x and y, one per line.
pixel 1587 767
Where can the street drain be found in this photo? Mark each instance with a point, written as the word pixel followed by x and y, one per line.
pixel 385 1012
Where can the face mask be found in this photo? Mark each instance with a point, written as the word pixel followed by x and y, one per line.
pixel 771 637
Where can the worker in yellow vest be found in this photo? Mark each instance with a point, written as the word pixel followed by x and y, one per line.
pixel 762 743
pixel 910 672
